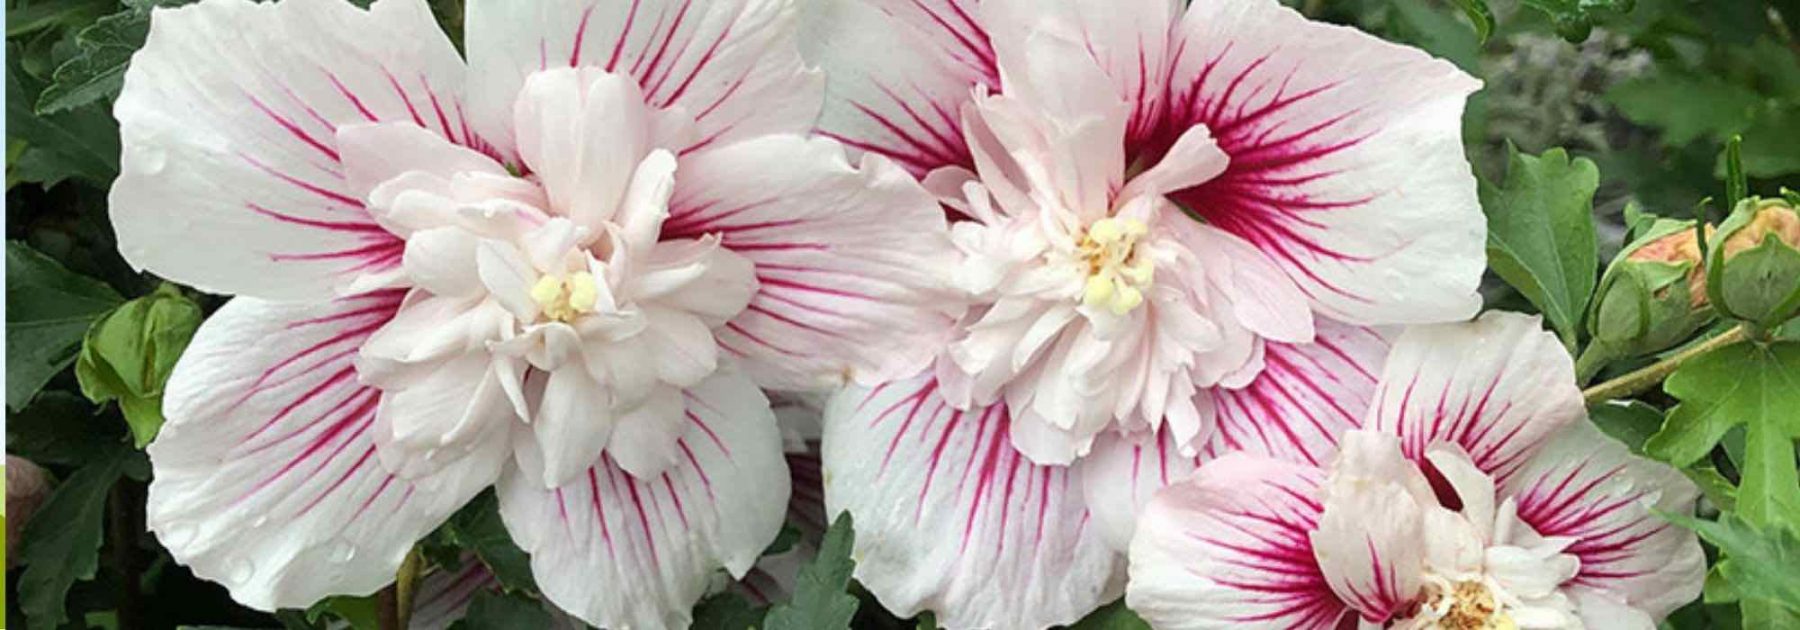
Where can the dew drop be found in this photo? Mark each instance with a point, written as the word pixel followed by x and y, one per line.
pixel 239 570
pixel 177 535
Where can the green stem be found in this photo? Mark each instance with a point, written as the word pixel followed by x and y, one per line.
pixel 1596 356
pixel 1649 376
pixel 404 585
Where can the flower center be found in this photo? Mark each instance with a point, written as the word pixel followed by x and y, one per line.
pixel 1466 605
pixel 1117 277
pixel 565 298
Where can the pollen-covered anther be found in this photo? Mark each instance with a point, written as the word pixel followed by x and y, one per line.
pixel 565 298
pixel 1117 276
pixel 1466 605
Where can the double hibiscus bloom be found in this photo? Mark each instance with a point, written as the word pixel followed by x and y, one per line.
pixel 1052 256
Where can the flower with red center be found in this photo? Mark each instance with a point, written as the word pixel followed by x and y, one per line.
pixel 1176 223
pixel 1477 495
pixel 561 268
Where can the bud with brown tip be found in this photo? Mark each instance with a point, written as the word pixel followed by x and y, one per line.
pixel 1754 267
pixel 1653 295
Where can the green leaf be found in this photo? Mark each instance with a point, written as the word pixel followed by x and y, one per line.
pixel 820 601
pixel 82 143
pixel 61 545
pixel 362 613
pixel 103 51
pixel 1749 384
pixel 1541 234
pixel 1631 422
pixel 127 356
pixel 1480 16
pixel 1763 558
pixel 63 429
pixel 1114 616
pixel 727 611
pixel 48 309
pixel 477 528
pixel 503 611
pixel 1574 19
pixel 48 15
pixel 1686 108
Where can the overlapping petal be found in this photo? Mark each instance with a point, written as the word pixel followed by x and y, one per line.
pixel 231 179
pixel 848 258
pixel 731 66
pixel 1347 167
pixel 618 550
pixel 1588 487
pixel 1498 387
pixel 266 474
pixel 1231 547
pixel 951 519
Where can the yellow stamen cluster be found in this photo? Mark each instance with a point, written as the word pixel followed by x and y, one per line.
pixel 1117 277
pixel 1468 605
pixel 565 298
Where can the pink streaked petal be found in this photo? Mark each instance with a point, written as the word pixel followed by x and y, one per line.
pixel 1347 165
pixel 1587 486
pixel 848 258
pixel 1307 395
pixel 655 543
pixel 1121 474
pixel 266 475
pixel 951 519
pixel 1129 43
pixel 906 107
pixel 1229 547
pixel 730 65
pixel 231 177
pixel 1498 387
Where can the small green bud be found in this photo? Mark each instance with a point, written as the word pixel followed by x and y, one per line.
pixel 129 352
pixel 1754 268
pixel 1653 295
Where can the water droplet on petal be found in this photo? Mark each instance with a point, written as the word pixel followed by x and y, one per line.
pixel 239 570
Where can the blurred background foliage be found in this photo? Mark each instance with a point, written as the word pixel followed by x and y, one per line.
pixel 1648 90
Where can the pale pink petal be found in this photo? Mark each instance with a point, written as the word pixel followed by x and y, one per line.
pixel 231 179
pixel 583 133
pixel 266 476
pixel 622 551
pixel 373 153
pixel 849 259
pixel 1498 387
pixel 903 106
pixel 1129 43
pixel 451 409
pixel 730 65
pixel 1370 537
pixel 1305 398
pixel 949 518
pixel 572 425
pixel 1347 165
pixel 1229 548
pixel 1263 299
pixel 1121 474
pixel 1587 486
pixel 647 437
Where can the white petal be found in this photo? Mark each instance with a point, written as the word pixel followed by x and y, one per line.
pixel 1587 486
pixel 654 543
pixel 1228 548
pixel 1120 476
pixel 374 153
pixel 230 179
pixel 905 107
pixel 1306 396
pixel 572 425
pixel 1262 298
pixel 1347 165
pixel 442 261
pixel 456 408
pixel 949 518
pixel 265 474
pixel 1368 541
pixel 1497 387
pixel 583 132
pixel 732 65
pixel 646 439
pixel 849 259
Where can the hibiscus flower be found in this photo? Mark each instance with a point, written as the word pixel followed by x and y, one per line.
pixel 1172 222
pixel 562 268
pixel 1477 496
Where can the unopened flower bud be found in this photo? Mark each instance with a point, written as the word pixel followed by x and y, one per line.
pixel 1653 294
pixel 1754 270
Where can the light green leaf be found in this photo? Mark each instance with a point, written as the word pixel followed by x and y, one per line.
pixel 1114 616
pixel 1686 108
pixel 48 309
pixel 1750 384
pixel 127 356
pixel 1480 16
pixel 503 611
pixel 1763 558
pixel 61 545
pixel 820 601
pixel 1541 234
pixel 361 613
